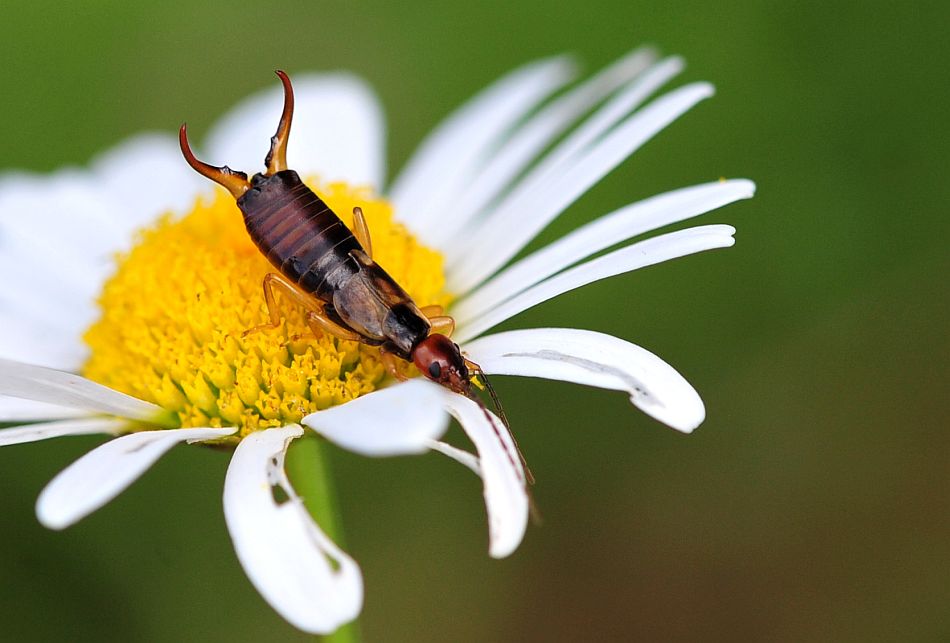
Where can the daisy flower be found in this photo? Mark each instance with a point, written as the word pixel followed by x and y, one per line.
pixel 127 285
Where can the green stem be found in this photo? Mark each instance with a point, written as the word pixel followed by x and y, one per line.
pixel 308 468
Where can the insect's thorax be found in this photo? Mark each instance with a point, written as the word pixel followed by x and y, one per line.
pixel 308 243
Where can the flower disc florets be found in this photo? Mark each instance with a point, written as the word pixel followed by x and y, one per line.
pixel 174 313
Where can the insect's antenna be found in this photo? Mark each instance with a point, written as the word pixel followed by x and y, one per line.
pixel 235 182
pixel 470 394
pixel 276 159
pixel 499 409
pixel 529 477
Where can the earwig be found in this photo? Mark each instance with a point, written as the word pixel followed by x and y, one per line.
pixel 328 271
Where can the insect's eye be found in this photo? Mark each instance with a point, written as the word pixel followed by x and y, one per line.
pixel 435 370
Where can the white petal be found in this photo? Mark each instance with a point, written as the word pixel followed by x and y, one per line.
pixel 611 229
pixel 463 457
pixel 397 420
pixel 46 430
pixel 447 157
pixel 337 133
pixel 531 207
pixel 16 409
pixel 56 248
pixel 58 387
pixel 521 146
pixel 638 255
pixel 59 234
pixel 66 211
pixel 32 341
pixel 34 308
pixel 595 359
pixel 145 177
pixel 568 151
pixel 103 473
pixel 30 281
pixel 298 570
pixel 504 485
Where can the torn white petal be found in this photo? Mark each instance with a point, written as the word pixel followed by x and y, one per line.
pixel 49 385
pixel 401 419
pixel 46 430
pixel 298 570
pixel 502 475
pixel 611 229
pixel 447 158
pixel 638 255
pixel 103 473
pixel 594 359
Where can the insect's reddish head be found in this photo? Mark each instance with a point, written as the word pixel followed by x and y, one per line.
pixel 438 358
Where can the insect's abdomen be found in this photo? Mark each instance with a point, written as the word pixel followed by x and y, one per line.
pixel 299 233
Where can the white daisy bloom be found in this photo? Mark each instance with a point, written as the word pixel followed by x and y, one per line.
pixel 128 350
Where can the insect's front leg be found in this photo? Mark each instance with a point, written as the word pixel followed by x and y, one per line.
pixel 442 324
pixel 391 362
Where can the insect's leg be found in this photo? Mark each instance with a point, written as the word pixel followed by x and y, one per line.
pixel 432 310
pixel 318 321
pixel 361 231
pixel 391 362
pixel 272 281
pixel 477 371
pixel 443 324
pixel 296 338
pixel 269 280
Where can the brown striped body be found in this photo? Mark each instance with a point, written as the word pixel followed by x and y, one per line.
pixel 309 244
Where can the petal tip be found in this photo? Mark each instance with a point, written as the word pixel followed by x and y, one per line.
pixel 50 517
pixel 499 549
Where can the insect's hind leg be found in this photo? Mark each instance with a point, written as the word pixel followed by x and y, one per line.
pixel 361 231
pixel 318 321
pixel 272 281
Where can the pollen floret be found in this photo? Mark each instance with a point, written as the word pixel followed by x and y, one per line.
pixel 174 313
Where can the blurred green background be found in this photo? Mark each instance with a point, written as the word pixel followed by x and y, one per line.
pixel 811 505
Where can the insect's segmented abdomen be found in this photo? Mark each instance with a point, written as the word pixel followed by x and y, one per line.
pixel 299 233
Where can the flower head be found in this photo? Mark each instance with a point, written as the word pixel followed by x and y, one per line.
pixel 146 339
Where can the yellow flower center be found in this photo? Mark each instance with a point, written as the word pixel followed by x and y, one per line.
pixel 175 310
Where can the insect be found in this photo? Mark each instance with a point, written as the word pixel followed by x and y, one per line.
pixel 329 272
